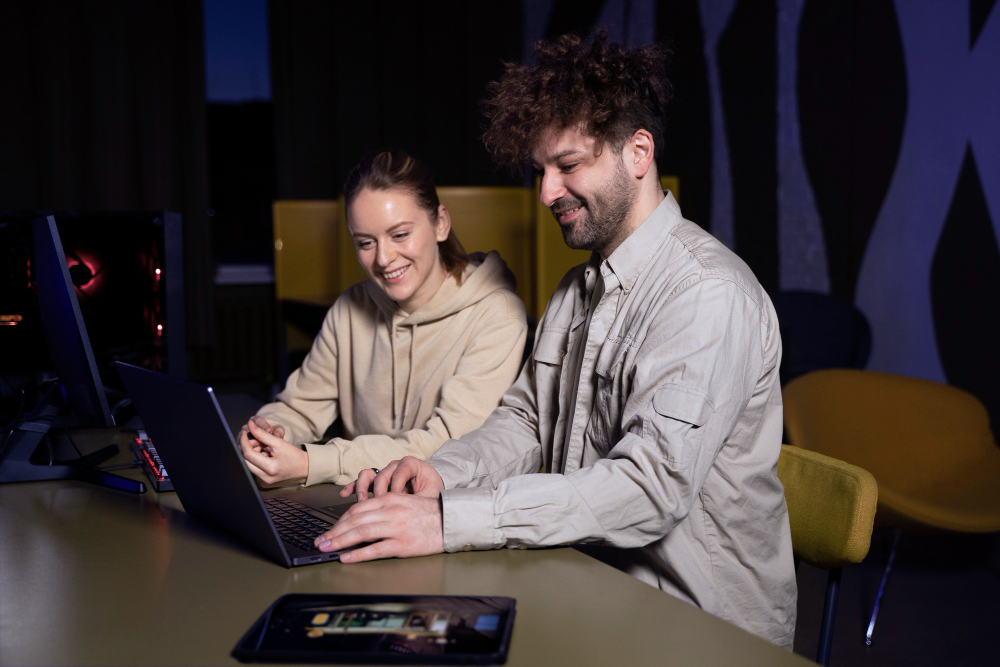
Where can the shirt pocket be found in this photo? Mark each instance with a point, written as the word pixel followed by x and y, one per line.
pixel 549 353
pixel 605 427
pixel 682 413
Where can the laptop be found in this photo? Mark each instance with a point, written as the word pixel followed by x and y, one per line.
pixel 212 480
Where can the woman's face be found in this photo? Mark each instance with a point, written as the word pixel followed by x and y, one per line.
pixel 397 244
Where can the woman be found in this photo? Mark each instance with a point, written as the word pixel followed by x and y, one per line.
pixel 420 352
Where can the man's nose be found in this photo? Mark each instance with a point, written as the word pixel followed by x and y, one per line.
pixel 551 189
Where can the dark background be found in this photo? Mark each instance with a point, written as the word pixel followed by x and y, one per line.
pixel 105 109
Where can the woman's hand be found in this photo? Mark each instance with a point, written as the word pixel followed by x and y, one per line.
pixel 269 457
pixel 407 475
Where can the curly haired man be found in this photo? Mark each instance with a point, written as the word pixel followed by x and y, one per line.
pixel 652 392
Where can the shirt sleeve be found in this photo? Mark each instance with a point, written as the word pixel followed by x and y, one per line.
pixel 309 402
pixel 509 443
pixel 485 371
pixel 695 370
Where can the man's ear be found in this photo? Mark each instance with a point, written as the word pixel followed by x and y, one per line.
pixel 443 227
pixel 640 152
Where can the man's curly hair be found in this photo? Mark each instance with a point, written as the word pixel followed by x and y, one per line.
pixel 609 92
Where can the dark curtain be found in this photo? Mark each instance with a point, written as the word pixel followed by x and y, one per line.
pixel 103 109
pixel 351 77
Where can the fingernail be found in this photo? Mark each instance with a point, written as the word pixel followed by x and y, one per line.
pixel 322 543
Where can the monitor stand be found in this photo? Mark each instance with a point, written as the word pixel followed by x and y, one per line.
pixel 27 434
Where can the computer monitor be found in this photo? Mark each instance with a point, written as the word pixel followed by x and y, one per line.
pixel 65 332
pixel 78 391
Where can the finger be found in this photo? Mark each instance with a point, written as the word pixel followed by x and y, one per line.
pixel 405 471
pixel 373 551
pixel 364 532
pixel 264 437
pixel 348 490
pixel 364 481
pixel 279 431
pixel 266 465
pixel 258 472
pixel 261 423
pixel 381 486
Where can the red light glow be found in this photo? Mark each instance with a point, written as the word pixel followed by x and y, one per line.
pixel 157 272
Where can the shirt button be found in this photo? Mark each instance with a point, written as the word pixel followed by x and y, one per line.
pixel 467 547
pixel 562 353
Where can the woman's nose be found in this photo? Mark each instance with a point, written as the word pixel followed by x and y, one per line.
pixel 385 255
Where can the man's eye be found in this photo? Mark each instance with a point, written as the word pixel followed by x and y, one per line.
pixel 568 167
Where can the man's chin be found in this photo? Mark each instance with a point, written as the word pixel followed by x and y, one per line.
pixel 573 238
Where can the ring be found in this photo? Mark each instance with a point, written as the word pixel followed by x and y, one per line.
pixel 375 470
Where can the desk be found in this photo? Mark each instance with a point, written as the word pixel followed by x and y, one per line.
pixel 92 576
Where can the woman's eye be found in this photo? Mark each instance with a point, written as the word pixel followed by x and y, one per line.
pixel 400 236
pixel 364 245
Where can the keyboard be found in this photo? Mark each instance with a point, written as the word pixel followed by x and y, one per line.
pixel 151 463
pixel 295 523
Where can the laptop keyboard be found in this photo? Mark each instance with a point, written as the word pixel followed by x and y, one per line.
pixel 295 523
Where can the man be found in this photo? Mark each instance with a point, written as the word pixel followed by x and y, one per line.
pixel 652 391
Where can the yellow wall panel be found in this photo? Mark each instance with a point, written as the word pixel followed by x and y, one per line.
pixel 306 249
pixel 497 218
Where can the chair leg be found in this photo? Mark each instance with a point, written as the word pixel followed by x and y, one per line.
pixel 829 615
pixel 881 586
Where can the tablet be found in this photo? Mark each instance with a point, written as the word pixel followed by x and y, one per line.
pixel 381 629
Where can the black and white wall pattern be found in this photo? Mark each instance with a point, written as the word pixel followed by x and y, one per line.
pixel 841 146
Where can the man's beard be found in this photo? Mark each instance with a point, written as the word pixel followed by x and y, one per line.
pixel 603 220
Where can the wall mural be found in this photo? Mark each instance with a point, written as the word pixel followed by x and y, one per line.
pixel 850 148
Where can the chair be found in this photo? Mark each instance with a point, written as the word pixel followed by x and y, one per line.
pixel 831 510
pixel 928 444
pixel 819 331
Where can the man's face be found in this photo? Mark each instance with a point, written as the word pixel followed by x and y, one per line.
pixel 590 195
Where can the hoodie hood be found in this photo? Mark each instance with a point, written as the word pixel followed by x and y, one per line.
pixel 486 273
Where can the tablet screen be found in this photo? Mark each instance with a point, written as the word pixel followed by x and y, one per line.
pixel 372 628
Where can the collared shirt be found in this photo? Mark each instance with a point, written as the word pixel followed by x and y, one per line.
pixel 652 397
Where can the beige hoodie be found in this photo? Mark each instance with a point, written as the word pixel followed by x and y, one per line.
pixel 403 384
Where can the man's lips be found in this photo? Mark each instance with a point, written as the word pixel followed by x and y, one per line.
pixel 568 214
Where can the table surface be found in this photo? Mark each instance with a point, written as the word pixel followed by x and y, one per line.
pixel 92 576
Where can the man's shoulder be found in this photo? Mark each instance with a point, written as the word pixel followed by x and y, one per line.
pixel 698 256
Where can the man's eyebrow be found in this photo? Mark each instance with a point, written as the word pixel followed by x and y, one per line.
pixel 562 154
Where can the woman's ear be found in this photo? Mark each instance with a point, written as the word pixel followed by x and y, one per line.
pixel 443 226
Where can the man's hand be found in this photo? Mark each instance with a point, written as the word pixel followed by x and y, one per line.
pixel 269 457
pixel 407 475
pixel 399 525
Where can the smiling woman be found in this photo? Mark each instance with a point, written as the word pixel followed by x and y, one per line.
pixel 419 353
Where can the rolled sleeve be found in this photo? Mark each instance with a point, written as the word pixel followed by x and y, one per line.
pixel 468 519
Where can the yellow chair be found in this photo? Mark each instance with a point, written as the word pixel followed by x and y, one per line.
pixel 928 444
pixel 307 270
pixel 831 510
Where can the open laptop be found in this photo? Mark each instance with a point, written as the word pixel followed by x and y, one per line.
pixel 212 480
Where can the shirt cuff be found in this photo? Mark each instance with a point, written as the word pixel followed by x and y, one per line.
pixel 468 519
pixel 324 463
pixel 452 475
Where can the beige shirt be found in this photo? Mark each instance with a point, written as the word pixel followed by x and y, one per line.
pixel 403 383
pixel 652 393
